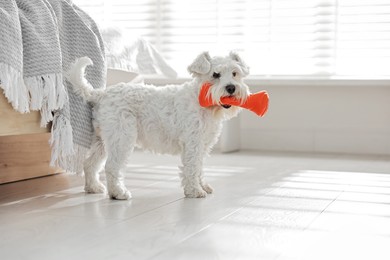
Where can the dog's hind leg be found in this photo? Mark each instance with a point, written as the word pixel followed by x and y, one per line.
pixel 192 161
pixel 119 143
pixel 92 166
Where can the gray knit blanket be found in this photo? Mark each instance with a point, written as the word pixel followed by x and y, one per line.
pixel 39 40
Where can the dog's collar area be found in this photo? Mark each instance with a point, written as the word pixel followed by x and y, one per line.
pixel 226 106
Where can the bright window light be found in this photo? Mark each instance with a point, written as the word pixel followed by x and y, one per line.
pixel 299 38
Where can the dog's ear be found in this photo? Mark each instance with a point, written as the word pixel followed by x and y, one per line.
pixel 245 69
pixel 201 65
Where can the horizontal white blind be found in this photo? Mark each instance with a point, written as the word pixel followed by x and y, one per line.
pixel 277 37
pixel 293 37
pixel 363 37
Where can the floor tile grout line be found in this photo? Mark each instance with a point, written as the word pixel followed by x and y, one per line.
pixel 322 211
pixel 151 210
pixel 155 183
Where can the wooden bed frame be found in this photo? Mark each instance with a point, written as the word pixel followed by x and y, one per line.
pixel 24 145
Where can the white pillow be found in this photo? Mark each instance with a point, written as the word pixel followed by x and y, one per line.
pixel 115 76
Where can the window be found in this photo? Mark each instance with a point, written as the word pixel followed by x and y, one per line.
pixel 316 38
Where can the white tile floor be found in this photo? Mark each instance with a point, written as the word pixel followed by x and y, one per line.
pixel 265 206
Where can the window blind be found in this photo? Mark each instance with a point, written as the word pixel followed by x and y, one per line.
pixel 363 37
pixel 316 38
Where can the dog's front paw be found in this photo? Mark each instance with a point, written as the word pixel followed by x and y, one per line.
pixel 207 188
pixel 119 193
pixel 194 193
pixel 95 187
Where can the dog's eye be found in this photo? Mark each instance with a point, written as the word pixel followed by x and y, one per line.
pixel 234 74
pixel 216 75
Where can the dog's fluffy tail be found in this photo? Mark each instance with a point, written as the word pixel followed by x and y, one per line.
pixel 81 86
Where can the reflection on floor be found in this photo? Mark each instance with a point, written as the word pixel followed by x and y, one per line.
pixel 265 206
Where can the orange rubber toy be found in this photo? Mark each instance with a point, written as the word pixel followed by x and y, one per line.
pixel 256 102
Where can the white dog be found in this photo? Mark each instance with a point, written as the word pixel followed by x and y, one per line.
pixel 165 119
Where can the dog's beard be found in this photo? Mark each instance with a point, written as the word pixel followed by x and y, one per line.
pixel 221 113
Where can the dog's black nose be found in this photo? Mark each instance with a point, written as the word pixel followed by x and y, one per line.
pixel 230 88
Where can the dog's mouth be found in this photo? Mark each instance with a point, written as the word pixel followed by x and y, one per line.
pixel 226 106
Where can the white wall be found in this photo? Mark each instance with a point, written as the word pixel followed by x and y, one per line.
pixel 310 116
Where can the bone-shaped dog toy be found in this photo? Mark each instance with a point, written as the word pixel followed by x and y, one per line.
pixel 256 102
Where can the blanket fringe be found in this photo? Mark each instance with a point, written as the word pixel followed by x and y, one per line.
pixel 65 154
pixel 47 94
pixel 75 162
pixel 12 83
